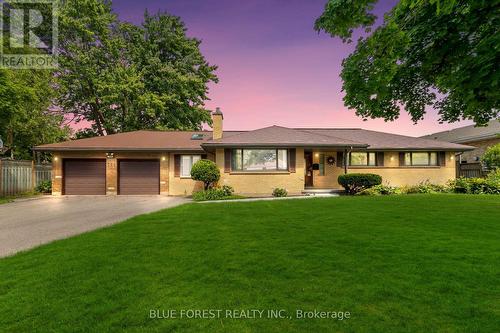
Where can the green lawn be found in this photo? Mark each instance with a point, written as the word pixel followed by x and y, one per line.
pixel 415 263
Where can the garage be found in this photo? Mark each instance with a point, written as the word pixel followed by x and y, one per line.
pixel 84 177
pixel 139 177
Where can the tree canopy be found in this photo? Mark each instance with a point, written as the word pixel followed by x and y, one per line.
pixel 122 77
pixel 443 54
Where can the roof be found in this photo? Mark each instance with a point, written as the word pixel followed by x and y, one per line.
pixel 138 140
pixel 274 136
pixel 468 133
pixel 388 141
pixel 283 137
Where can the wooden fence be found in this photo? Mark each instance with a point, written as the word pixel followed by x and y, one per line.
pixel 470 170
pixel 22 176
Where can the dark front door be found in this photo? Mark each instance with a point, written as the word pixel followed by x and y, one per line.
pixel 139 177
pixel 309 169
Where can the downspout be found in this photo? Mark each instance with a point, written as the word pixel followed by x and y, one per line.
pixel 346 156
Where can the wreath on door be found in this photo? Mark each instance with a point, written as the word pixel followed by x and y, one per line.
pixel 330 160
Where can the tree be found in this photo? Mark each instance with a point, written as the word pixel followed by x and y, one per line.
pixel 426 53
pixel 207 172
pixel 26 117
pixel 491 158
pixel 121 77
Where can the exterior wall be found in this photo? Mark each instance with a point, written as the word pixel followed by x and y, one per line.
pixel 111 168
pixel 470 156
pixel 263 184
pixel 392 174
pixel 182 186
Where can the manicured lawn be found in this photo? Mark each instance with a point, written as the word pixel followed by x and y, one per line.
pixel 416 263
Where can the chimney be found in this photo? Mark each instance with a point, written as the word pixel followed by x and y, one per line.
pixel 217 118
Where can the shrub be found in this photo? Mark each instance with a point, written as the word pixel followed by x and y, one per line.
pixel 379 190
pixel 217 193
pixel 491 158
pixel 424 187
pixel 44 186
pixel 488 185
pixel 356 182
pixel 280 192
pixel 207 172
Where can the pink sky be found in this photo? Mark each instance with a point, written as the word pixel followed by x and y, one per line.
pixel 274 69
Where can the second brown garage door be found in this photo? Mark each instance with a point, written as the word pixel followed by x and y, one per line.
pixel 139 177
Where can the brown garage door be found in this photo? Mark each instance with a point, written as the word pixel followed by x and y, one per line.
pixel 84 177
pixel 139 177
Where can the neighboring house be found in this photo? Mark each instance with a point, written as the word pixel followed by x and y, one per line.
pixel 479 137
pixel 253 162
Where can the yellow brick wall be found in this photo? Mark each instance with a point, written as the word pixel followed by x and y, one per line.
pixel 392 174
pixel 253 184
pixel 180 186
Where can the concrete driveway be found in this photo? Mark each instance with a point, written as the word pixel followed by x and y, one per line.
pixel 28 223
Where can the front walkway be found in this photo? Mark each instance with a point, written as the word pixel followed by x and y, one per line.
pixel 28 223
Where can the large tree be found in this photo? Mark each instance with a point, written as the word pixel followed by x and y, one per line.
pixel 443 54
pixel 122 77
pixel 26 116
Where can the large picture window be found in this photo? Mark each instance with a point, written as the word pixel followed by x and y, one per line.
pixel 259 160
pixel 421 158
pixel 362 159
pixel 187 162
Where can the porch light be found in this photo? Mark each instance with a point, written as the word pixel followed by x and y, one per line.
pixel 452 157
pixel 56 158
pixel 110 155
pixel 163 158
pixel 316 155
pixel 392 158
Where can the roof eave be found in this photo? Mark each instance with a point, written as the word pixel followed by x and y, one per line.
pixel 114 149
pixel 284 145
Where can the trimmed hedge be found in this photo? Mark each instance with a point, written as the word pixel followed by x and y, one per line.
pixel 217 193
pixel 357 182
pixel 207 172
pixel 280 192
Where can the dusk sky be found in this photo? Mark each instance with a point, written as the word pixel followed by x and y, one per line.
pixel 274 69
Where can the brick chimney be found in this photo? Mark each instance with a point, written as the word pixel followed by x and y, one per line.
pixel 217 118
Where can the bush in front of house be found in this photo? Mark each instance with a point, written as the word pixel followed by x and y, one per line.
pixel 207 172
pixel 357 182
pixel 424 188
pixel 488 185
pixel 380 190
pixel 44 187
pixel 216 193
pixel 491 157
pixel 280 193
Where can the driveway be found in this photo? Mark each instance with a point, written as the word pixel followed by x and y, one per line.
pixel 28 223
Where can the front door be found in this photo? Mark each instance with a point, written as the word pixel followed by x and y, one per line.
pixel 309 169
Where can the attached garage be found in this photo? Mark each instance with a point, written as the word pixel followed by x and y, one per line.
pixel 84 176
pixel 139 177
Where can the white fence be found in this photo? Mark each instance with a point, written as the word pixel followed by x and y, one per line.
pixel 22 176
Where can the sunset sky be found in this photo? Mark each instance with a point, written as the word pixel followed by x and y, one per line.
pixel 274 69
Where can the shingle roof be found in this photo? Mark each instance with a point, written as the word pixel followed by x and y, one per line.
pixel 283 136
pixel 138 140
pixel 468 133
pixel 270 136
pixel 388 141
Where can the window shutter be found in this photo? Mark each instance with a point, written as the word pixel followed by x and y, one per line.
pixel 227 160
pixel 293 158
pixel 177 165
pixel 340 159
pixel 380 158
pixel 442 158
pixel 401 159
pixel 204 156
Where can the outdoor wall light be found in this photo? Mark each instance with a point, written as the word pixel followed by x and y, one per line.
pixel 316 155
pixel 110 155
pixel 392 158
pixel 452 157
pixel 56 158
pixel 163 158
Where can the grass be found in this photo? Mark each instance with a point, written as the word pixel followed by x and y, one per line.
pixel 417 263
pixel 10 198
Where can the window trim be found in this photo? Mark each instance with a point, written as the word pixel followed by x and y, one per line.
pixel 277 170
pixel 367 165
pixel 421 165
pixel 191 156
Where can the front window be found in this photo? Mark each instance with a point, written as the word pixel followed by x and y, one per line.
pixel 259 159
pixel 421 159
pixel 362 159
pixel 187 162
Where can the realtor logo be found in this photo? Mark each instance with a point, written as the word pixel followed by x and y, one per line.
pixel 28 34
